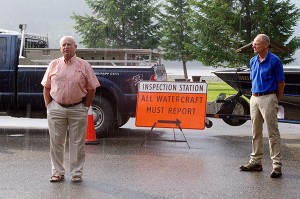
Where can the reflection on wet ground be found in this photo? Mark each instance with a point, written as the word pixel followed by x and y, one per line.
pixel 119 167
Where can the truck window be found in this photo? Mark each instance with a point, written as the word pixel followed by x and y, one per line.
pixel 2 53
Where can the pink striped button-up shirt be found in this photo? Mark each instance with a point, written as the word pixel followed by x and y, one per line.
pixel 69 82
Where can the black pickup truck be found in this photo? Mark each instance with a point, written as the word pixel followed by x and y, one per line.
pixel 118 71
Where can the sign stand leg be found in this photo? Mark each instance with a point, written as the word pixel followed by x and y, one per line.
pixel 148 134
pixel 183 136
pixel 174 134
pixel 185 140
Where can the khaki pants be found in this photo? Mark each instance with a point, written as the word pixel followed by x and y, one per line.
pixel 264 108
pixel 62 120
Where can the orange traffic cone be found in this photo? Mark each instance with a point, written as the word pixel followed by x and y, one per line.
pixel 90 129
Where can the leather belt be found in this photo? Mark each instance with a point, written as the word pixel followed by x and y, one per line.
pixel 69 105
pixel 261 94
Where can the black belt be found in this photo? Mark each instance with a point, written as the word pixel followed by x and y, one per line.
pixel 261 94
pixel 69 105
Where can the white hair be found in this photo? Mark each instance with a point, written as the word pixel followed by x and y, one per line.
pixel 67 37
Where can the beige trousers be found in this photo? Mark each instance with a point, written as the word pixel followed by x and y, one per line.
pixel 60 121
pixel 264 109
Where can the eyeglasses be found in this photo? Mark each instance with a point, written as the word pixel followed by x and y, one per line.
pixel 257 44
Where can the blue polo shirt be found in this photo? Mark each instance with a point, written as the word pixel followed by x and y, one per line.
pixel 266 75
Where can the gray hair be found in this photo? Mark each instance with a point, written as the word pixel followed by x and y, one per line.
pixel 264 38
pixel 67 37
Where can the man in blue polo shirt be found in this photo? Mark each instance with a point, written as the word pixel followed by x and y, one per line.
pixel 267 76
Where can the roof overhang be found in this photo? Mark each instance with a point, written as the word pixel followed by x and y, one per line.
pixel 274 47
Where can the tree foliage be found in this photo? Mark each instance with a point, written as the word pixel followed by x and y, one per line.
pixel 176 31
pixel 221 26
pixel 205 30
pixel 119 23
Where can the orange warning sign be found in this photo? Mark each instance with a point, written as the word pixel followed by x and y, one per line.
pixel 171 104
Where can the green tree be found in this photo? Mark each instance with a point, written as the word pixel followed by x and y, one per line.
pixel 119 23
pixel 221 26
pixel 176 31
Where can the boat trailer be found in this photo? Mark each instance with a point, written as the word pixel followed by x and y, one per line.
pixel 233 110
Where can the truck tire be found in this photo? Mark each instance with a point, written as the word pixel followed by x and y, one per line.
pixel 104 116
pixel 122 120
pixel 242 108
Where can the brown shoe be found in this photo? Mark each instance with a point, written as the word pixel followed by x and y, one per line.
pixel 76 179
pixel 276 173
pixel 251 167
pixel 57 178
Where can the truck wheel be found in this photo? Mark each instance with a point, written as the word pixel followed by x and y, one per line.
pixel 104 116
pixel 122 120
pixel 241 108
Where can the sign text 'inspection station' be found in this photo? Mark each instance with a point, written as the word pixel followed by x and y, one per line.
pixel 183 102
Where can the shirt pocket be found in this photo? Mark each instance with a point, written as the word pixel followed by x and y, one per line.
pixel 79 77
pixel 267 74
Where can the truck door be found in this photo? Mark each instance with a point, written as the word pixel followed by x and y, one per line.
pixel 8 70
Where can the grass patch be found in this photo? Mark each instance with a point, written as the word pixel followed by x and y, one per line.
pixel 215 88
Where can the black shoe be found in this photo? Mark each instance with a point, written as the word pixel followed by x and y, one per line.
pixel 251 167
pixel 276 173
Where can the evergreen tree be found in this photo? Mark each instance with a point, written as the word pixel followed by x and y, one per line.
pixel 221 26
pixel 176 31
pixel 119 23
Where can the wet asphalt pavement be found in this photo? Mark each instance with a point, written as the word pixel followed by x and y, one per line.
pixel 119 167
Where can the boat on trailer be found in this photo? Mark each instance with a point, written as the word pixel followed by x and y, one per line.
pixel 239 79
pixel 235 109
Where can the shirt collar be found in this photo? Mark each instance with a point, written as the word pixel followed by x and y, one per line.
pixel 70 61
pixel 266 58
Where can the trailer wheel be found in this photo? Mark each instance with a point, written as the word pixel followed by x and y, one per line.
pixel 208 123
pixel 242 107
pixel 104 116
